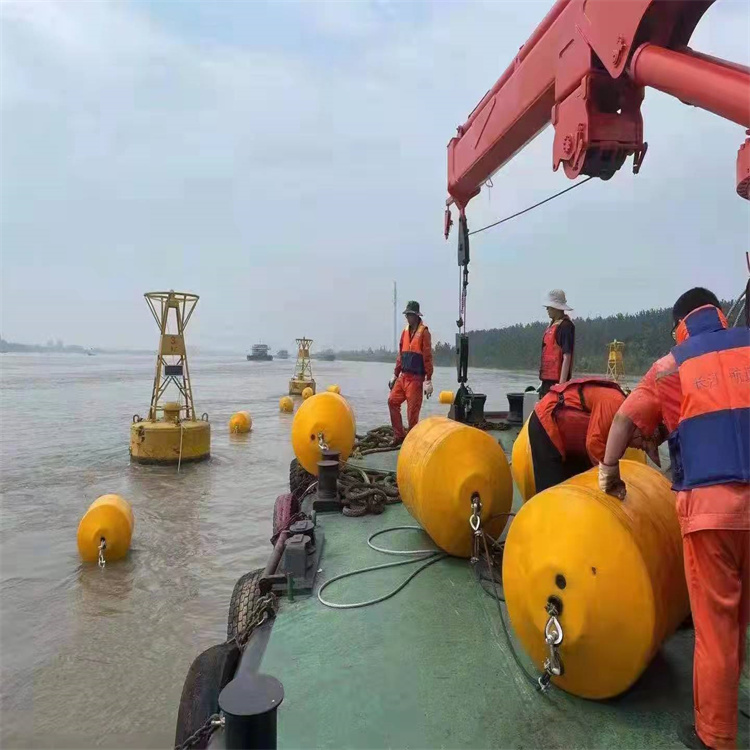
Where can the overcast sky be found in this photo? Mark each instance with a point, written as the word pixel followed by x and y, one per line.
pixel 286 161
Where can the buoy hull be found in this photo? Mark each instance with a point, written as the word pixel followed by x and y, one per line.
pixel 109 517
pixel 334 388
pixel 286 405
pixel 297 386
pixel 326 414
pixel 615 566
pixel 162 442
pixel 522 463
pixel 442 464
pixel 241 422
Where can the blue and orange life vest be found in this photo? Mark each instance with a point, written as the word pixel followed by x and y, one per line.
pixel 412 360
pixel 711 443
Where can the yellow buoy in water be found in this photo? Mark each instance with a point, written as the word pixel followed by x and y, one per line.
pixel 446 397
pixel 110 520
pixel 326 417
pixel 333 389
pixel 522 464
pixel 613 568
pixel 442 465
pixel 286 404
pixel 306 393
pixel 241 422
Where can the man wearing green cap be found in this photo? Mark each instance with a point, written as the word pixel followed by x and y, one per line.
pixel 413 374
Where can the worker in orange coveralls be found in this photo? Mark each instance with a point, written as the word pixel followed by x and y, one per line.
pixel 568 429
pixel 413 374
pixel 701 393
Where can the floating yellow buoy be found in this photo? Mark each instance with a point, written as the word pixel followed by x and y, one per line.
pixel 110 518
pixel 333 389
pixel 614 567
pixel 442 464
pixel 446 397
pixel 286 404
pixel 241 422
pixel 306 393
pixel 327 417
pixel 522 464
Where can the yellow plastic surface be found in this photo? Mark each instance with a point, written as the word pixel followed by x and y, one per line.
pixel 241 422
pixel 111 517
pixel 616 567
pixel 307 393
pixel 326 414
pixel 286 404
pixel 441 465
pixel 334 388
pixel 159 442
pixel 446 397
pixel 522 464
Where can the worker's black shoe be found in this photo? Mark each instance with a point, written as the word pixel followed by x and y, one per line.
pixel 689 737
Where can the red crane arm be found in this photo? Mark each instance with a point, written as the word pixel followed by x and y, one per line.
pixel 584 69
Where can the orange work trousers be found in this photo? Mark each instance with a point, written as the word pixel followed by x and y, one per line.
pixel 717 568
pixel 407 388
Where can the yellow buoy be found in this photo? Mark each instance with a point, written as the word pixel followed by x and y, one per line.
pixel 109 518
pixel 446 397
pixel 522 464
pixel 333 389
pixel 441 466
pixel 241 422
pixel 615 569
pixel 306 393
pixel 327 417
pixel 286 404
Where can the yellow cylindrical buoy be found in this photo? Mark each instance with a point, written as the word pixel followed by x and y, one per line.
pixel 446 397
pixel 327 417
pixel 109 518
pixel 307 393
pixel 613 568
pixel 286 405
pixel 441 466
pixel 522 464
pixel 334 389
pixel 241 422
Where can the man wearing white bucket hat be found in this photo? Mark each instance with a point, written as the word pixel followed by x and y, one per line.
pixel 558 343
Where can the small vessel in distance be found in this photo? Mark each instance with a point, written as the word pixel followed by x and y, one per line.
pixel 282 354
pixel 259 354
pixel 327 355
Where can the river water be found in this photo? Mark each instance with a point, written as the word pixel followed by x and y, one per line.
pixel 92 657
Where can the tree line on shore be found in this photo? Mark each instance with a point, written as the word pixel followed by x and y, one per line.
pixel 646 336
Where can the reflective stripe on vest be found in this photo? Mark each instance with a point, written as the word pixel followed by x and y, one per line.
pixel 412 361
pixel 711 444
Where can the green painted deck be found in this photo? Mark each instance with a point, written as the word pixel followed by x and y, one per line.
pixel 429 668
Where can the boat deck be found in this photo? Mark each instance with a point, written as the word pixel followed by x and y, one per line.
pixel 430 667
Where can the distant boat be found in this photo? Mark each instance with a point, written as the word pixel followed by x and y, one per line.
pixel 327 356
pixel 259 354
pixel 282 354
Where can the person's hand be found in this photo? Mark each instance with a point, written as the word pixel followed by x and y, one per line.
pixel 392 382
pixel 610 482
pixel 428 388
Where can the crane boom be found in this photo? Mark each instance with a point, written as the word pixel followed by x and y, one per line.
pixel 584 69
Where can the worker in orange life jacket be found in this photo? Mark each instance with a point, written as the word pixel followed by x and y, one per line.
pixel 700 392
pixel 413 373
pixel 568 429
pixel 558 343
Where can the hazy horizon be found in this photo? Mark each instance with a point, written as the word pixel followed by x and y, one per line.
pixel 286 162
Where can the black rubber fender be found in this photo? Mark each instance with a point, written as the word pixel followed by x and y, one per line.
pixel 206 678
pixel 242 603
